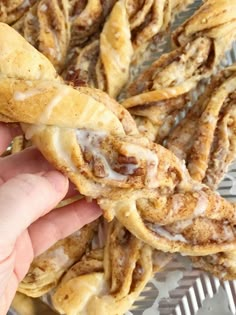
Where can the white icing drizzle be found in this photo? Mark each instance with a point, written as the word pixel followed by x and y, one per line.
pixel 43 7
pixel 63 91
pixel 164 233
pixel 22 96
pixel 89 140
pixel 183 224
pixel 31 130
pixel 47 111
pixel 151 160
pixel 130 168
pixel 201 206
pixel 59 257
pixel 25 4
pixel 177 203
pixel 228 233
pixel 62 154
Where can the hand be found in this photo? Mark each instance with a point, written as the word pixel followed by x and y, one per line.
pixel 29 190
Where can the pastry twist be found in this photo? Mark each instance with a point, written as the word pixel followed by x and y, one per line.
pixel 87 17
pixel 47 269
pixel 221 265
pixel 10 11
pixel 159 93
pixel 130 26
pixel 46 27
pixel 115 278
pixel 211 121
pixel 205 138
pixel 94 141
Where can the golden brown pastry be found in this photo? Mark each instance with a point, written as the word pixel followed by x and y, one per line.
pixel 221 265
pixel 107 58
pixel 205 138
pixel 159 93
pixel 87 17
pixel 130 26
pixel 108 285
pixel 116 51
pixel 107 159
pixel 214 20
pixel 149 18
pixel 81 72
pixel 46 27
pixel 17 144
pixel 10 11
pixel 24 305
pixel 47 269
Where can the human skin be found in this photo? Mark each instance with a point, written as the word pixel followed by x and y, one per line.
pixel 29 189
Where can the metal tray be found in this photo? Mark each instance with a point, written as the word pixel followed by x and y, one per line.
pixel 181 289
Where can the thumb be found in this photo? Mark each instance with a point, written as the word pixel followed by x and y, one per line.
pixel 25 198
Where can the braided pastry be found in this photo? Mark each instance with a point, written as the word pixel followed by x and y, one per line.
pixel 86 18
pixel 108 286
pixel 23 304
pixel 10 11
pixel 212 122
pixel 47 269
pixel 130 25
pixel 157 95
pixel 107 159
pixel 46 26
pixel 221 265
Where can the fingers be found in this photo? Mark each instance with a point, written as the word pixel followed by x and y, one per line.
pixel 60 223
pixel 25 198
pixel 28 161
pixel 7 133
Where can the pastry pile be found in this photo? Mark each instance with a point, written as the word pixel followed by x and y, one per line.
pixel 153 174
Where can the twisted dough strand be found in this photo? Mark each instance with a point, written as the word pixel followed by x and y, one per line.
pixel 46 27
pixel 159 93
pixel 107 159
pixel 10 11
pixel 87 17
pixel 205 137
pixel 130 27
pixel 47 269
pixel 116 276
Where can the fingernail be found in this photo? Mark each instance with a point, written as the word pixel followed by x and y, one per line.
pixel 59 182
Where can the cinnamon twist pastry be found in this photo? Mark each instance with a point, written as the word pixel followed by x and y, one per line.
pixel 87 17
pixel 205 138
pixel 26 305
pixel 130 25
pixel 159 93
pixel 107 159
pixel 47 269
pixel 46 27
pixel 214 20
pixel 10 11
pixel 108 286
pixel 221 265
